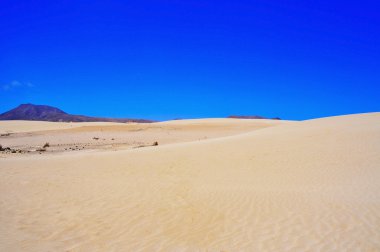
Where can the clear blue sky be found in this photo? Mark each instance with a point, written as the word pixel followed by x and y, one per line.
pixel 190 59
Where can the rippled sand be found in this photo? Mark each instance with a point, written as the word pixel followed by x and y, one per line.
pixel 303 186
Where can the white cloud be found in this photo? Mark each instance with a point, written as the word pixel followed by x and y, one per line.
pixel 16 84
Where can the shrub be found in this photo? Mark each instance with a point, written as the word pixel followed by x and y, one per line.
pixel 46 145
pixel 155 144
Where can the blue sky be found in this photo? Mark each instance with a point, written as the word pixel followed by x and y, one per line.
pixel 190 59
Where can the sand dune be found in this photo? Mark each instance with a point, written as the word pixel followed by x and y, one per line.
pixel 62 137
pixel 16 126
pixel 305 186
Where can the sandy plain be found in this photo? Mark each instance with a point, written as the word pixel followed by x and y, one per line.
pixel 210 185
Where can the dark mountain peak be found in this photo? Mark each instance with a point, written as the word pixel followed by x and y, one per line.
pixel 34 112
pixel 37 109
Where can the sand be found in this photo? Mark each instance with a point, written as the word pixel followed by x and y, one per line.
pixel 30 136
pixel 292 186
pixel 16 126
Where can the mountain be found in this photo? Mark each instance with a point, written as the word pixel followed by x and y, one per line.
pixel 47 113
pixel 252 117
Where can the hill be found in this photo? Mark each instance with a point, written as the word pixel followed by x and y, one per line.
pixel 252 117
pixel 34 112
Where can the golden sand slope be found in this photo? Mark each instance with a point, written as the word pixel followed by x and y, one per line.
pixel 67 137
pixel 15 126
pixel 309 186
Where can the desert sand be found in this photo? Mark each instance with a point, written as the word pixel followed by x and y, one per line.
pixel 210 185
pixel 30 136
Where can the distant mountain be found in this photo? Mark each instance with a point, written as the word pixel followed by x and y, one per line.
pixel 47 113
pixel 252 117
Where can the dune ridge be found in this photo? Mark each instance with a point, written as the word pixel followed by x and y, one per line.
pixel 30 136
pixel 305 186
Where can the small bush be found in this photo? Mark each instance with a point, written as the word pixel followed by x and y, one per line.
pixel 155 144
pixel 46 145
